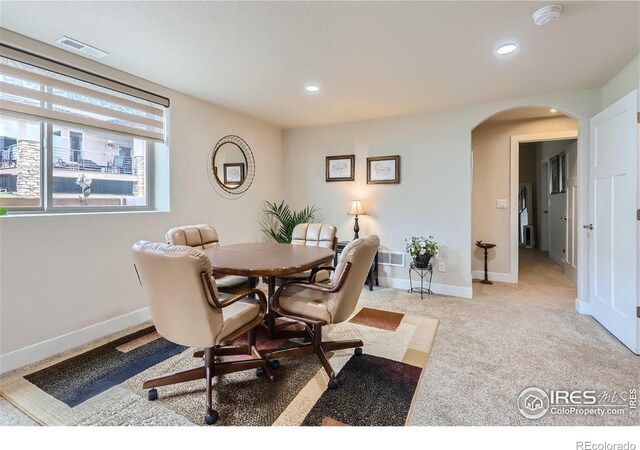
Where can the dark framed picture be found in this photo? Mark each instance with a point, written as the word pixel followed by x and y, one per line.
pixel 563 172
pixel 340 168
pixel 383 170
pixel 555 175
pixel 233 173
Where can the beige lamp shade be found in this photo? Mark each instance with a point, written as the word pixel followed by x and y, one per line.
pixel 356 209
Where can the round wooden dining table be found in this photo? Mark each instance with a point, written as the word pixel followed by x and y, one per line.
pixel 266 259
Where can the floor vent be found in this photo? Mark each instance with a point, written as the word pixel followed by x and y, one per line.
pixel 391 258
pixel 80 47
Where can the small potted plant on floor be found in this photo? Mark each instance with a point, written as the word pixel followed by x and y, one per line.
pixel 422 249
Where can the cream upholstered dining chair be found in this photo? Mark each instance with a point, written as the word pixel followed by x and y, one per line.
pixel 187 309
pixel 312 235
pixel 323 304
pixel 205 236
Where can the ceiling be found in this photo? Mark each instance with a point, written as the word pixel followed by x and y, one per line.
pixel 370 60
pixel 524 113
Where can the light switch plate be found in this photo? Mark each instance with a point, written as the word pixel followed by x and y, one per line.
pixel 441 266
pixel 501 203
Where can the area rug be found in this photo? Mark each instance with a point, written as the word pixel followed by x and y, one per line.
pixel 101 384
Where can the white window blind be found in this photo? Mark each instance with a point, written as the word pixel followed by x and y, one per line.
pixel 40 87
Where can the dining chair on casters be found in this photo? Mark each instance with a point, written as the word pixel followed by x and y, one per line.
pixel 203 236
pixel 187 309
pixel 320 304
pixel 312 235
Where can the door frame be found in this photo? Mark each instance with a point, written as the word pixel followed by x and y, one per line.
pixel 514 188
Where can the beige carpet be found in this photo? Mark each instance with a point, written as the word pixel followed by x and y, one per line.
pixel 510 337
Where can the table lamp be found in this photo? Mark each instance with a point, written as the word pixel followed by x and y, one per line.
pixel 356 208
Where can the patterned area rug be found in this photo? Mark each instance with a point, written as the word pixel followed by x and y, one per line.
pixel 102 383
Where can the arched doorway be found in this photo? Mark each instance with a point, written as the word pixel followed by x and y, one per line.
pixel 521 163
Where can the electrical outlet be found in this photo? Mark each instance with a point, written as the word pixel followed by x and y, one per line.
pixel 441 267
pixel 501 203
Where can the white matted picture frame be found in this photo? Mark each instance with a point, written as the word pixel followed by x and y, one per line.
pixel 383 170
pixel 233 173
pixel 340 168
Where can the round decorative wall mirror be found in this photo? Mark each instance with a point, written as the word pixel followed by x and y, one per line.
pixel 231 166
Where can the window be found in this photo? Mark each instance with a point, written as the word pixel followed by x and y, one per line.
pixel 20 163
pixel 89 168
pixel 67 143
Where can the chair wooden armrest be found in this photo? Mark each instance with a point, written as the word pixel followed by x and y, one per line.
pixel 315 270
pixel 309 285
pixel 206 281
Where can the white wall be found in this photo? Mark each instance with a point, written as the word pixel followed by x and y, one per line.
pixel 434 196
pixel 61 273
pixel 624 82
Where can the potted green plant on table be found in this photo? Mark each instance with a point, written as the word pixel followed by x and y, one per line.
pixel 280 220
pixel 3 211
pixel 422 250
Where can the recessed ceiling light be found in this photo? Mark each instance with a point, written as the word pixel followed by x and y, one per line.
pixel 553 110
pixel 312 88
pixel 505 49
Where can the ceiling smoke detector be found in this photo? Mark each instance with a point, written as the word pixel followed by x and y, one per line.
pixel 547 14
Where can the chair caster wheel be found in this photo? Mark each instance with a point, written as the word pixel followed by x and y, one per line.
pixel 212 418
pixel 274 364
pixel 333 384
pixel 358 351
pixel 152 394
pixel 260 372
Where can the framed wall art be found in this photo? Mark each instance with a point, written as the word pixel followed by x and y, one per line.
pixel 563 172
pixel 555 175
pixel 233 173
pixel 383 170
pixel 340 168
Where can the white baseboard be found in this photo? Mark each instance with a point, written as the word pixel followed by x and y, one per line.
pixel 583 308
pixel 45 349
pixel 444 289
pixel 556 259
pixel 494 276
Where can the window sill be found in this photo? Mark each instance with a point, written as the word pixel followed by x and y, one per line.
pixel 25 214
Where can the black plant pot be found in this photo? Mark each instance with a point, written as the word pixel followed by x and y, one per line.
pixel 422 261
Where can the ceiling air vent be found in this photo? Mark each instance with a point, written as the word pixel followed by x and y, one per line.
pixel 79 47
pixel 391 258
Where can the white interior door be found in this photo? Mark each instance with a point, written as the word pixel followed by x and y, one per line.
pixel 571 256
pixel 612 234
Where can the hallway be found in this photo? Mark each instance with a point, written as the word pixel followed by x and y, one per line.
pixel 536 268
